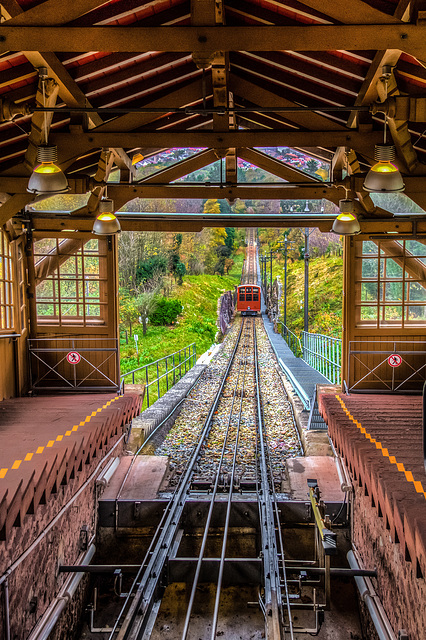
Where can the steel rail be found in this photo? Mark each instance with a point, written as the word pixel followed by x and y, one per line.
pixel 280 538
pixel 151 568
pixel 228 506
pixel 273 603
pixel 212 501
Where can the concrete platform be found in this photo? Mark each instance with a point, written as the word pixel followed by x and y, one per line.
pixel 323 469
pixel 143 481
pixel 46 441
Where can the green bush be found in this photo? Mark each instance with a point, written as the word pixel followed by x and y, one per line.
pixel 166 312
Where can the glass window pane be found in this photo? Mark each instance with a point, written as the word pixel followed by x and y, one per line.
pixel 393 269
pixel 93 310
pixel 369 268
pixel 417 313
pixel 416 291
pixel 368 291
pixel 415 247
pixel 393 313
pixel 44 309
pixel 369 247
pixel 393 291
pixel 91 265
pixel 368 313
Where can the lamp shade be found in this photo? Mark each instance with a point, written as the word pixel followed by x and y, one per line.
pixel 346 223
pixel 47 178
pixel 384 176
pixel 106 223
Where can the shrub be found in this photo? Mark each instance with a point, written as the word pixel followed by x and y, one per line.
pixel 166 312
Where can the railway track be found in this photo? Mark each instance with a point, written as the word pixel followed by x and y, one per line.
pixel 233 446
pixel 222 448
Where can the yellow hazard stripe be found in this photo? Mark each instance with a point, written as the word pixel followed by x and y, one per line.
pixel 59 438
pixel 385 453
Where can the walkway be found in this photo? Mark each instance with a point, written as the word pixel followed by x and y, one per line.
pixel 302 376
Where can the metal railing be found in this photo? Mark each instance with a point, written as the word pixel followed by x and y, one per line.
pixel 168 369
pixel 387 366
pixel 74 364
pixel 291 339
pixel 324 354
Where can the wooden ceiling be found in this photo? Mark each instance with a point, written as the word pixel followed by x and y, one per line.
pixel 230 76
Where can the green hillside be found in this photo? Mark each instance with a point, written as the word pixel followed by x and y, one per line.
pixel 325 295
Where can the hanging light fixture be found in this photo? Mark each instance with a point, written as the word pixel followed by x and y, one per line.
pixel 346 223
pixel 47 178
pixel 384 176
pixel 106 223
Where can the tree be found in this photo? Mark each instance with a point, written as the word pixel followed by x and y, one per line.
pixel 145 303
pixel 128 311
pixel 176 265
pixel 211 206
pixel 148 269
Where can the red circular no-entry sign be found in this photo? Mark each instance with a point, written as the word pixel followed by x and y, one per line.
pixel 73 357
pixel 394 360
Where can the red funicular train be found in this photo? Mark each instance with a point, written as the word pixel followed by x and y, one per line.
pixel 248 299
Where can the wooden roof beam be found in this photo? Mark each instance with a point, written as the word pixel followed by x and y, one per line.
pixel 50 12
pixel 79 144
pixel 354 12
pixel 369 89
pixel 277 168
pixel 356 37
pixel 244 192
pixel 182 168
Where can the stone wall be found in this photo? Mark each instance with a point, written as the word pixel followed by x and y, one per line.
pixel 401 590
pixel 35 581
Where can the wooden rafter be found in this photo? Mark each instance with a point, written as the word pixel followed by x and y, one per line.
pixel 262 97
pixel 274 166
pixel 182 168
pixel 368 92
pixel 51 12
pixel 356 37
pixel 83 143
pixel 354 12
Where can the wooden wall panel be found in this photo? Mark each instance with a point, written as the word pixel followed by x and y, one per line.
pixel 7 359
pixel 356 367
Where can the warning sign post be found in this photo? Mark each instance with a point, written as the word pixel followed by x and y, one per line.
pixel 73 357
pixel 394 360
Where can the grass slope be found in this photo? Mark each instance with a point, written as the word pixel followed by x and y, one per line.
pixel 325 295
pixel 197 323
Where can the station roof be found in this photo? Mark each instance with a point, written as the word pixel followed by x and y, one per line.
pixel 128 77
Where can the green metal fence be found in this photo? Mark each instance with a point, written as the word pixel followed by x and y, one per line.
pixel 324 354
pixel 292 339
pixel 162 374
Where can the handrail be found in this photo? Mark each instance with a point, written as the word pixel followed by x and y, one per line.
pixel 10 335
pixel 291 339
pixel 191 357
pixel 323 353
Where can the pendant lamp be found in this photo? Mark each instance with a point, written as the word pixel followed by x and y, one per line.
pixel 346 223
pixel 106 223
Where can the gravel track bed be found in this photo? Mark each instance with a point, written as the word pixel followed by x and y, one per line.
pixel 180 441
pixel 281 432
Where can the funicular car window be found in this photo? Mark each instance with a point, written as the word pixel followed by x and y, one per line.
pixel 242 295
pixel 249 297
pixel 255 294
